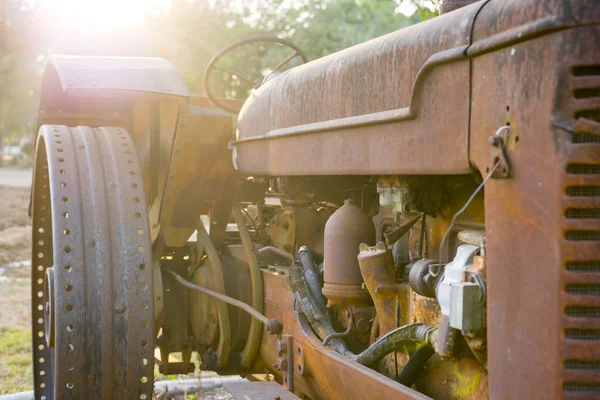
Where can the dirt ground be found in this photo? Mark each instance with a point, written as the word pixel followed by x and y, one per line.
pixel 15 226
pixel 15 247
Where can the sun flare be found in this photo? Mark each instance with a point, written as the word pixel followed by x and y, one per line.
pixel 102 12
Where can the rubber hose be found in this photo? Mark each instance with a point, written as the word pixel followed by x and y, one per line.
pixel 415 365
pixel 317 317
pixel 311 276
pixel 393 341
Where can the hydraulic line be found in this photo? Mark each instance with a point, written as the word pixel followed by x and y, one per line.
pixel 415 365
pixel 395 340
pixel 317 317
pixel 277 251
pixel 272 326
pixel 311 276
pixel 340 335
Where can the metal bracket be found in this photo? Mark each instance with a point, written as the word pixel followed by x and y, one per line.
pixel 498 154
pixel 285 360
pixel 299 360
pixel 174 368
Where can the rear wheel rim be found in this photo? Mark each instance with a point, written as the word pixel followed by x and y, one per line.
pixel 92 302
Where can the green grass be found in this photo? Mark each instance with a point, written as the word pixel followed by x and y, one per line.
pixel 15 351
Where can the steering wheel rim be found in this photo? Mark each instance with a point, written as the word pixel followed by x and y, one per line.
pixel 212 65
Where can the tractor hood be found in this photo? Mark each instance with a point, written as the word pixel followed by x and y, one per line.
pixel 390 105
pixel 359 82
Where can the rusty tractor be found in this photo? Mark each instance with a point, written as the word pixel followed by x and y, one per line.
pixel 416 216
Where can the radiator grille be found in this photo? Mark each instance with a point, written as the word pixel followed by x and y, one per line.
pixel 593 115
pixel 583 168
pixel 585 290
pixel 583 266
pixel 583 312
pixel 581 239
pixel 579 137
pixel 583 190
pixel 582 235
pixel 583 334
pixel 582 387
pixel 586 365
pixel 586 93
pixel 586 70
pixel 576 213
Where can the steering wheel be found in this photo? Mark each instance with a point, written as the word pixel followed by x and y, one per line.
pixel 212 66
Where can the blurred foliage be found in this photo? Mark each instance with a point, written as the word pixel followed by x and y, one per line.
pixel 188 36
pixel 19 69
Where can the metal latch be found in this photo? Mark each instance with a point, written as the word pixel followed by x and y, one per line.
pixel 498 156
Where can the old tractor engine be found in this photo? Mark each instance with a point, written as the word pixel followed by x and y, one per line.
pixel 415 216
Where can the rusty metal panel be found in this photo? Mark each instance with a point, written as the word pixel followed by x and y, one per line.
pixel 499 17
pixel 353 112
pixel 200 167
pixel 137 94
pixel 534 344
pixel 324 374
pixel 104 91
pixel 432 142
pixel 374 76
pixel 140 74
pixel 199 170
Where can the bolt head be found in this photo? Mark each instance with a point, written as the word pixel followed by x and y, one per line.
pixel 363 325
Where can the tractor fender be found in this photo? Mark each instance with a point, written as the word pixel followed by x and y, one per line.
pixel 137 74
pixel 98 91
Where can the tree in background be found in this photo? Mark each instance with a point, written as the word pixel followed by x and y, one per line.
pixel 188 36
pixel 19 69
pixel 318 27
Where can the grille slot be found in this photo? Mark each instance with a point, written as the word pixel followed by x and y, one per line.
pixel 581 364
pixel 586 131
pixel 582 235
pixel 583 266
pixel 577 191
pixel 583 289
pixel 592 114
pixel 582 387
pixel 586 70
pixel 586 93
pixel 578 213
pixel 583 334
pixel 583 312
pixel 584 137
pixel 583 168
